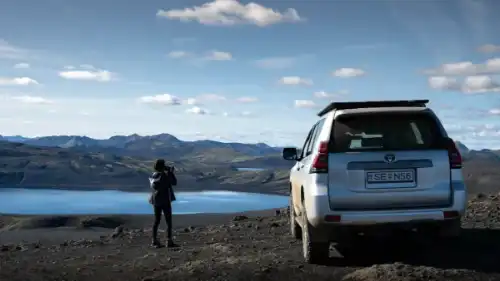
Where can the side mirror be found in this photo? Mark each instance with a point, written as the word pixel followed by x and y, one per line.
pixel 290 153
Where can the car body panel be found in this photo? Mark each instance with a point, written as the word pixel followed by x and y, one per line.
pixel 344 192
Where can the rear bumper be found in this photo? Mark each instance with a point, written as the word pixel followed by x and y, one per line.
pixel 319 213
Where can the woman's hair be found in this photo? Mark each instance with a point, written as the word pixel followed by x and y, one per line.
pixel 159 165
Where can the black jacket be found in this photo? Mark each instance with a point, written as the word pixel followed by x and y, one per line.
pixel 162 188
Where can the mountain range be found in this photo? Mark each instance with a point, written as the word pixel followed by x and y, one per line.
pixel 144 146
pixel 477 155
pixel 123 162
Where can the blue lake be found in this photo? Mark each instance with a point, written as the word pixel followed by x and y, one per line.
pixel 249 169
pixel 65 202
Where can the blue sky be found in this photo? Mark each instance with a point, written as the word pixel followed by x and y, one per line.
pixel 241 71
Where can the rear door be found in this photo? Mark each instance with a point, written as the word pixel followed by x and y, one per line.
pixel 297 172
pixel 388 161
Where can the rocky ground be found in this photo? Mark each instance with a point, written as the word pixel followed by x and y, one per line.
pixel 261 248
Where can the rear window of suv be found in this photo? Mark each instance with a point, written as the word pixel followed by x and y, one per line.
pixel 385 131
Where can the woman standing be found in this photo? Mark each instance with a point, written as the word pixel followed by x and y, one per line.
pixel 162 182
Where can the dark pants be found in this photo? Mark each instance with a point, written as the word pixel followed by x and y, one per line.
pixel 167 212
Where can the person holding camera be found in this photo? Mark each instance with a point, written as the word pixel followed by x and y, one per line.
pixel 162 182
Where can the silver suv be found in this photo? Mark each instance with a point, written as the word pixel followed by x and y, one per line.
pixel 374 167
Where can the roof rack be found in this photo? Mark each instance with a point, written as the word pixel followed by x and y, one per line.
pixel 368 104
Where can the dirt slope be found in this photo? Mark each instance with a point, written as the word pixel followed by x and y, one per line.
pixel 262 249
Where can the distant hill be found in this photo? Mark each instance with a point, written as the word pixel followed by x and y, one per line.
pixel 162 145
pixel 481 169
pixel 478 155
pixel 24 165
pixel 464 150
pixel 27 165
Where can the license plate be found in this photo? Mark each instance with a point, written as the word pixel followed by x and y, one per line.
pixel 393 176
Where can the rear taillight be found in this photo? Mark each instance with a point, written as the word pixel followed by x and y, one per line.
pixel 320 162
pixel 453 154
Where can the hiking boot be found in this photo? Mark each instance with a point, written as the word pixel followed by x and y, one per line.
pixel 171 244
pixel 156 244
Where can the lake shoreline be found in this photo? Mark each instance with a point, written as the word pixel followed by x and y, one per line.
pixel 60 228
pixel 263 189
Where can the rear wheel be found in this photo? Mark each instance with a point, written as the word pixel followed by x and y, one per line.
pixel 450 229
pixel 314 252
pixel 294 226
pixel 446 233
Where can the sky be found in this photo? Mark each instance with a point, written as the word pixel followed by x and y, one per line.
pixel 243 71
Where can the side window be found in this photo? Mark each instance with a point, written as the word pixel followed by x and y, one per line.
pixel 314 136
pixel 319 128
pixel 306 144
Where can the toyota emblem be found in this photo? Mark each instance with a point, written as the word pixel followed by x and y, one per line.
pixel 389 158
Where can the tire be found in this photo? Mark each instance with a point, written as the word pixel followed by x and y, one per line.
pixel 446 234
pixel 295 229
pixel 314 252
pixel 450 229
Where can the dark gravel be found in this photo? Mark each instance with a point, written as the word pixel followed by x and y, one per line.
pixel 261 249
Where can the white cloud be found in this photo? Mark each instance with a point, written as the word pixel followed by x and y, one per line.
pixel 305 104
pixel 239 114
pixel 162 99
pixel 494 111
pixel 211 97
pixel 247 99
pixel 480 84
pixel 466 68
pixel 347 72
pixel 87 73
pixel 323 95
pixel 489 48
pixel 477 84
pixel 443 83
pixel 482 131
pixel 326 95
pixel 219 56
pixel 178 54
pixel 17 81
pixel 231 12
pixel 192 101
pixel 106 112
pixel 22 65
pixel 295 80
pixel 32 100
pixel 209 56
pixel 197 110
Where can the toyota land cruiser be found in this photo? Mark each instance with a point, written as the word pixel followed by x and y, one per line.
pixel 374 166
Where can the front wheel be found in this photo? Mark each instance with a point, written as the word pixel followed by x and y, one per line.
pixel 314 252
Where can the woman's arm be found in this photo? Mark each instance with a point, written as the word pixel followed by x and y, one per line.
pixel 173 179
